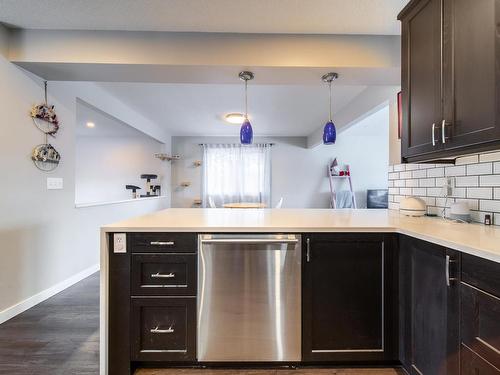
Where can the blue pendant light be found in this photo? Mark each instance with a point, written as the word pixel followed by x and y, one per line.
pixel 246 131
pixel 329 131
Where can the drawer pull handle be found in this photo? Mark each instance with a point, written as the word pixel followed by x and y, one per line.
pixel 158 330
pixel 162 243
pixel 158 275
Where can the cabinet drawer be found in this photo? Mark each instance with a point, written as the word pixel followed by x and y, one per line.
pixel 472 364
pixel 481 323
pixel 163 329
pixel 481 273
pixel 163 274
pixel 163 242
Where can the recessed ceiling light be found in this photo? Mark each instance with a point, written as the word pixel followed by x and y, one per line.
pixel 90 125
pixel 235 118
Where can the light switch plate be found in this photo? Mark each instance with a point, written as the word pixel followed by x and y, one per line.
pixel 120 243
pixel 54 183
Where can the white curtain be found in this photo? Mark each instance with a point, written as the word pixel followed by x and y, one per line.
pixel 233 173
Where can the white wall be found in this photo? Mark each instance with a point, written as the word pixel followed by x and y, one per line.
pixel 44 238
pixel 104 165
pixel 112 155
pixel 299 174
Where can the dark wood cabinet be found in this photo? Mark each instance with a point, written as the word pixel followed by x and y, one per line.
pixel 480 316
pixel 450 78
pixel 347 295
pixel 422 79
pixel 429 308
pixel 152 301
pixel 163 329
pixel 472 72
pixel 164 274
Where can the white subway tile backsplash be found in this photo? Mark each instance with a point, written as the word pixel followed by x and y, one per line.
pixel 434 192
pixel 411 183
pixel 441 181
pixel 459 192
pixel 476 181
pixel 496 168
pixel 419 191
pixel 491 156
pixel 480 193
pixel 435 172
pixel 390 168
pixel 427 182
pixel 477 169
pixel 397 198
pixel 393 191
pixel 421 173
pixel 471 159
pixel 493 180
pixel 411 167
pixel 431 201
pixel 426 166
pixel 399 167
pixel 405 191
pixel 393 175
pixel 444 202
pixel 467 181
pixel 458 170
pixel 489 205
pixel 472 203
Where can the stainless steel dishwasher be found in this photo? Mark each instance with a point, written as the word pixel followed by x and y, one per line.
pixel 249 297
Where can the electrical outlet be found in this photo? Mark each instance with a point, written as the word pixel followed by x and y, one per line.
pixel 448 186
pixel 54 183
pixel 120 243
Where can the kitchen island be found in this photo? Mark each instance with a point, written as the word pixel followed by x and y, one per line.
pixel 378 266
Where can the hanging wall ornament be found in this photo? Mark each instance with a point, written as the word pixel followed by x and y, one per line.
pixel 45 157
pixel 44 116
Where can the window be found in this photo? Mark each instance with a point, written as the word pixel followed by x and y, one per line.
pixel 234 173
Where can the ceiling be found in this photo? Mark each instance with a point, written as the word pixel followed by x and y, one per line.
pixel 375 17
pixel 105 125
pixel 198 109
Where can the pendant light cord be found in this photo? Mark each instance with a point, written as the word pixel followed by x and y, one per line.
pixel 330 87
pixel 246 99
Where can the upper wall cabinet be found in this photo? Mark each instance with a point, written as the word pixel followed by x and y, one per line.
pixel 450 78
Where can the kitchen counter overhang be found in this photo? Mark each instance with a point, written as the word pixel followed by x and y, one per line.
pixel 474 239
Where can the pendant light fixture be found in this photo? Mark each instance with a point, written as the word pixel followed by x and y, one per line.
pixel 329 131
pixel 246 131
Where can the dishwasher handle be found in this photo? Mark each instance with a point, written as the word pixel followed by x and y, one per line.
pixel 250 240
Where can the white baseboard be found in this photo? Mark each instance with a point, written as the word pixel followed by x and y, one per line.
pixel 28 303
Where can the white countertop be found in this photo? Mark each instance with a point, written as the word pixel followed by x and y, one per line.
pixel 475 239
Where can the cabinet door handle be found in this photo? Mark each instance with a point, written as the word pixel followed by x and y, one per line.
pixel 158 275
pixel 447 271
pixel 434 134
pixel 162 243
pixel 158 330
pixel 308 250
pixel 443 131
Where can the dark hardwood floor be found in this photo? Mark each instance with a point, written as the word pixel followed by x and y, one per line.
pixel 61 336
pixel 58 336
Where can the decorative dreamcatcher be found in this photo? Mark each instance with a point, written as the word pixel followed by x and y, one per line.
pixel 45 156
